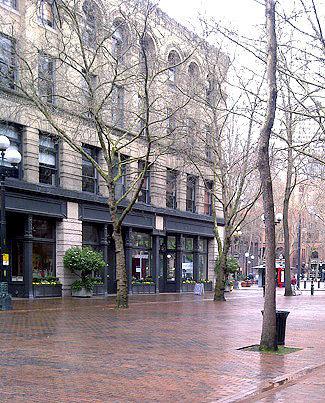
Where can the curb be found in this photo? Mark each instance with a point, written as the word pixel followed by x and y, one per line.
pixel 246 397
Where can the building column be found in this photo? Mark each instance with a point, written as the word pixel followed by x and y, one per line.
pixel 179 261
pixel 104 247
pixel 128 256
pixel 196 258
pixel 155 260
pixel 28 256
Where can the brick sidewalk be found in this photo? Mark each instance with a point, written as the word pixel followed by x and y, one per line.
pixel 176 348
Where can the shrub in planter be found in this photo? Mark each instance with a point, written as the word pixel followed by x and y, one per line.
pixel 82 262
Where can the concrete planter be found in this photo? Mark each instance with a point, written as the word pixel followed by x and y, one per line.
pixel 187 287
pixel 99 289
pixel 143 288
pixel 47 290
pixel 83 293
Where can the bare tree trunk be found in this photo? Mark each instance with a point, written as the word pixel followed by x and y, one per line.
pixel 268 337
pixel 287 194
pixel 219 289
pixel 121 277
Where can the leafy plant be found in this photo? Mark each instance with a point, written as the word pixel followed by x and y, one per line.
pixel 82 262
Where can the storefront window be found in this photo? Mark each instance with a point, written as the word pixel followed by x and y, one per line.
pixel 188 243
pixel 171 266
pixel 187 266
pixel 43 259
pixel 141 265
pixel 141 239
pixel 171 242
pixel 43 228
pixel 203 266
pixel 90 235
pixel 17 261
pixel 203 245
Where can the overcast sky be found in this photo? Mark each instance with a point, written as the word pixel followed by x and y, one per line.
pixel 241 14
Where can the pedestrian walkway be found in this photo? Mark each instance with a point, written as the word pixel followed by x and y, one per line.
pixel 168 348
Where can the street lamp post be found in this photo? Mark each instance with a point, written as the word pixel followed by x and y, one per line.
pixel 9 160
pixel 246 259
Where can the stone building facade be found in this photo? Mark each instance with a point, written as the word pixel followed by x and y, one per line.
pixel 56 199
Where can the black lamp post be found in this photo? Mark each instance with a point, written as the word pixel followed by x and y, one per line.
pixel 10 158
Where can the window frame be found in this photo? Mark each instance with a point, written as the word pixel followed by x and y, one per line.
pixel 145 188
pixel 13 4
pixel 191 183
pixel 46 85
pixel 49 150
pixel 208 188
pixel 6 129
pixel 171 196
pixel 7 80
pixel 42 13
pixel 94 152
pixel 117 107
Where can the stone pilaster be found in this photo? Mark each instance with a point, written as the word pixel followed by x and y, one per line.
pixel 31 154
pixel 68 233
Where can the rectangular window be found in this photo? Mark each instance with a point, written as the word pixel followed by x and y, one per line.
pixel 171 189
pixel 7 61
pixel 121 170
pixel 171 121
pixel 118 106
pixel 9 3
pixel 89 172
pixel 190 193
pixel 88 87
pixel 208 197
pixel 208 144
pixel 14 135
pixel 48 160
pixel 191 131
pixel 46 78
pixel 144 195
pixel 46 13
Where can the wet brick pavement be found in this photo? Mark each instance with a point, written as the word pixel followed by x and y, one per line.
pixel 177 348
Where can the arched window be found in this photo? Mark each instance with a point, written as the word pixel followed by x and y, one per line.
pixel 119 39
pixel 193 71
pixel 147 54
pixel 91 14
pixel 173 61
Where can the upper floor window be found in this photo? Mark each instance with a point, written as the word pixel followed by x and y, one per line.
pixel 173 61
pixel 171 188
pixel 118 106
pixel 191 193
pixel 89 172
pixel 171 121
pixel 46 77
pixel 91 15
pixel 14 135
pixel 48 160
pixel 147 55
pixel 88 85
pixel 144 195
pixel 7 61
pixel 119 39
pixel 120 169
pixel 46 12
pixel 208 143
pixel 191 131
pixel 208 197
pixel 9 3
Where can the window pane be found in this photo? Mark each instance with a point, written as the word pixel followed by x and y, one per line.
pixel 187 266
pixel 188 243
pixel 171 242
pixel 141 239
pixel 17 261
pixel 43 259
pixel 141 264
pixel 7 61
pixel 90 234
pixel 43 228
pixel 171 266
pixel 203 266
